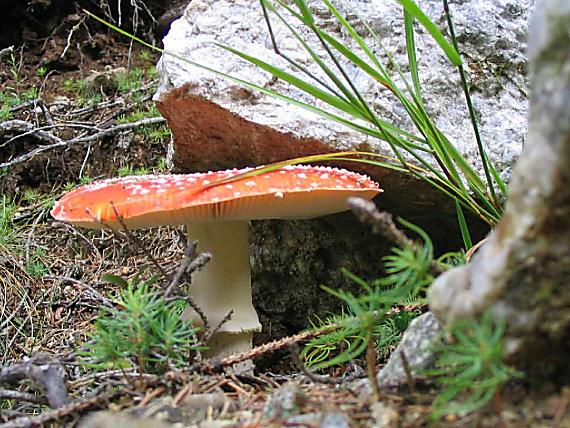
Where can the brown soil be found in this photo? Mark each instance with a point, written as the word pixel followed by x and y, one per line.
pixel 52 311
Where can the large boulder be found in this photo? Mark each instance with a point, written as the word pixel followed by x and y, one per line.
pixel 217 124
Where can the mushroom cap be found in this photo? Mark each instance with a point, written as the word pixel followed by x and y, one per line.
pixel 290 192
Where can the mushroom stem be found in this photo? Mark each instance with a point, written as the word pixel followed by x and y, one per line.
pixel 224 285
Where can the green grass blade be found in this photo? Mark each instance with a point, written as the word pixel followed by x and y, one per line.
pixel 353 33
pixel 467 242
pixel 267 6
pixel 496 177
pixel 413 9
pixel 355 59
pixel 411 50
pixel 305 11
pixel 317 59
pixel 326 97
pixel 473 117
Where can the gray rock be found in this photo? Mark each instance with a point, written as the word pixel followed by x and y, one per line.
pixel 385 415
pixel 416 345
pixel 217 124
pixel 334 420
pixel 491 34
pixel 105 419
pixel 288 400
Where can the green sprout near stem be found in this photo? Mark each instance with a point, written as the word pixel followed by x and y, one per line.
pixel 142 330
pixel 146 55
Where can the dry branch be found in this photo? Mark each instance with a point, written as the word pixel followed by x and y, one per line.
pixel 44 370
pixel 59 143
pixel 70 409
pixel 8 394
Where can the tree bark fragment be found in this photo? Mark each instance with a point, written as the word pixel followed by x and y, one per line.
pixel 522 272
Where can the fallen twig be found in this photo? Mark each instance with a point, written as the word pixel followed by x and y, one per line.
pixel 83 285
pixel 381 222
pixel 23 127
pixel 78 140
pixel 69 409
pixel 217 364
pixel 44 370
pixel 7 394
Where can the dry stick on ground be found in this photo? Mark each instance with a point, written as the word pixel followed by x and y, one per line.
pixel 8 394
pixel 113 103
pixel 381 222
pixel 217 365
pixel 72 408
pixel 371 367
pixel 110 375
pixel 70 35
pixel 213 331
pixel 132 237
pixel 44 370
pixel 78 140
pixel 185 268
pixel 23 127
pixel 82 285
pixel 28 129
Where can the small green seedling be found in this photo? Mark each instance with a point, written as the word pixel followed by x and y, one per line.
pixel 35 266
pixel 130 170
pixel 142 330
pixel 146 55
pixel 41 71
pixel 471 366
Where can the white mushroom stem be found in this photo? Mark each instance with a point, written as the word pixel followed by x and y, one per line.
pixel 224 285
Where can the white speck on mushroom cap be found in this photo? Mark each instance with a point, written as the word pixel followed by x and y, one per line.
pixel 194 197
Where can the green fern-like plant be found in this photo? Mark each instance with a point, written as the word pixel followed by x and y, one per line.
pixel 410 266
pixel 410 271
pixel 471 365
pixel 142 331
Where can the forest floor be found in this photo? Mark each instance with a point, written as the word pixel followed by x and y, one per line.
pixel 77 106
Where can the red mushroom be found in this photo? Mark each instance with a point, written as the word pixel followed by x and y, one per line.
pixel 217 216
